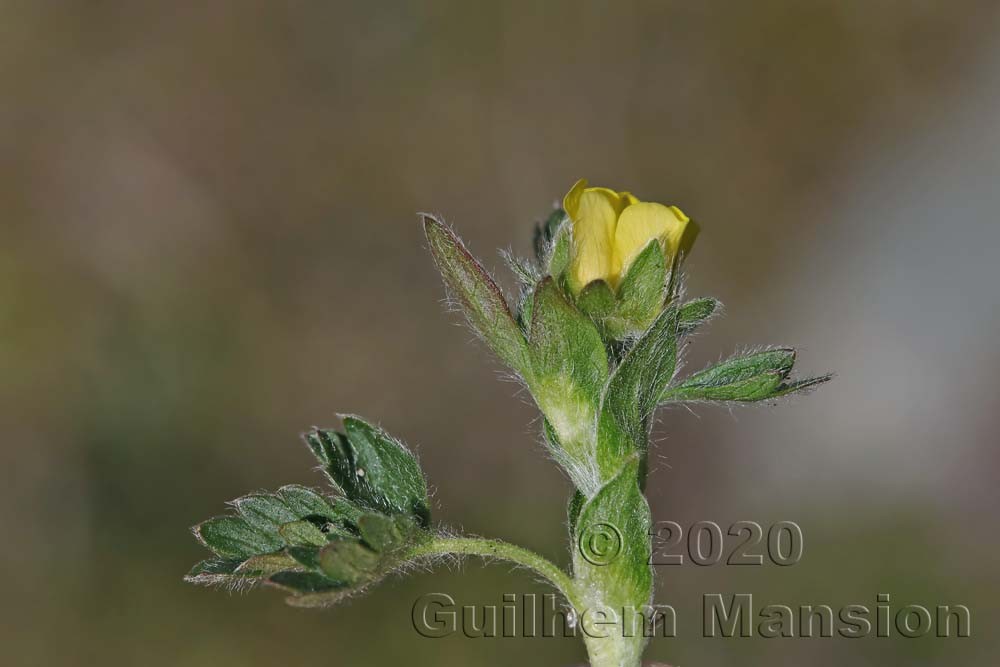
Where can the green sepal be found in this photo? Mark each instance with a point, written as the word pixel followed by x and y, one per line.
pixel 752 377
pixel 481 300
pixel 597 300
pixel 546 233
pixel 642 291
pixel 559 255
pixel 695 313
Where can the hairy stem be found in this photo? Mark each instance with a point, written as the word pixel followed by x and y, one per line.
pixel 475 546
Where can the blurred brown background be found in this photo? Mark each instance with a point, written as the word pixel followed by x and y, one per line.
pixel 209 243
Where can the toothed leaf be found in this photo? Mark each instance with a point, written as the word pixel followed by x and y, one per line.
pixel 304 582
pixel 379 532
pixel 233 537
pixel 264 512
pixel 348 561
pixel 302 533
pixel 387 476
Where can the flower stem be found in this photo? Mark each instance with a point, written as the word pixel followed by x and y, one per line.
pixel 476 546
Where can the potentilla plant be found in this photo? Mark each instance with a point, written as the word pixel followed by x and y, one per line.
pixel 594 335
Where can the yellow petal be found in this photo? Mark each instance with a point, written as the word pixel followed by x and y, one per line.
pixel 628 198
pixel 688 234
pixel 640 223
pixel 594 212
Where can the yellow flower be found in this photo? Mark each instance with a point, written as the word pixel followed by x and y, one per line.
pixel 611 228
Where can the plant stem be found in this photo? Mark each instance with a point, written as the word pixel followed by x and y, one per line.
pixel 476 546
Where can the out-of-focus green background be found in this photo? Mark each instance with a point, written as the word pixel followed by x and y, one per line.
pixel 208 243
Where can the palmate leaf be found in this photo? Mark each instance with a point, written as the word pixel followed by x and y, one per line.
pixel 317 548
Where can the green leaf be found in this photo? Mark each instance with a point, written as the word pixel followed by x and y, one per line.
pixel 371 469
pixel 569 369
pixel 481 300
pixel 348 561
pixel 302 533
pixel 234 537
pixel 264 511
pixel 387 476
pixel 802 385
pixel 335 456
pixel 216 572
pixel 633 392
pixel 306 556
pixel 565 344
pixel 611 553
pixel 303 583
pixel 379 532
pixel 694 313
pixel 642 291
pixel 752 377
pixel 306 502
pixel 294 555
pixel 267 564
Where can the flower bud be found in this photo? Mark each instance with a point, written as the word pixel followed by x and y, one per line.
pixel 611 229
